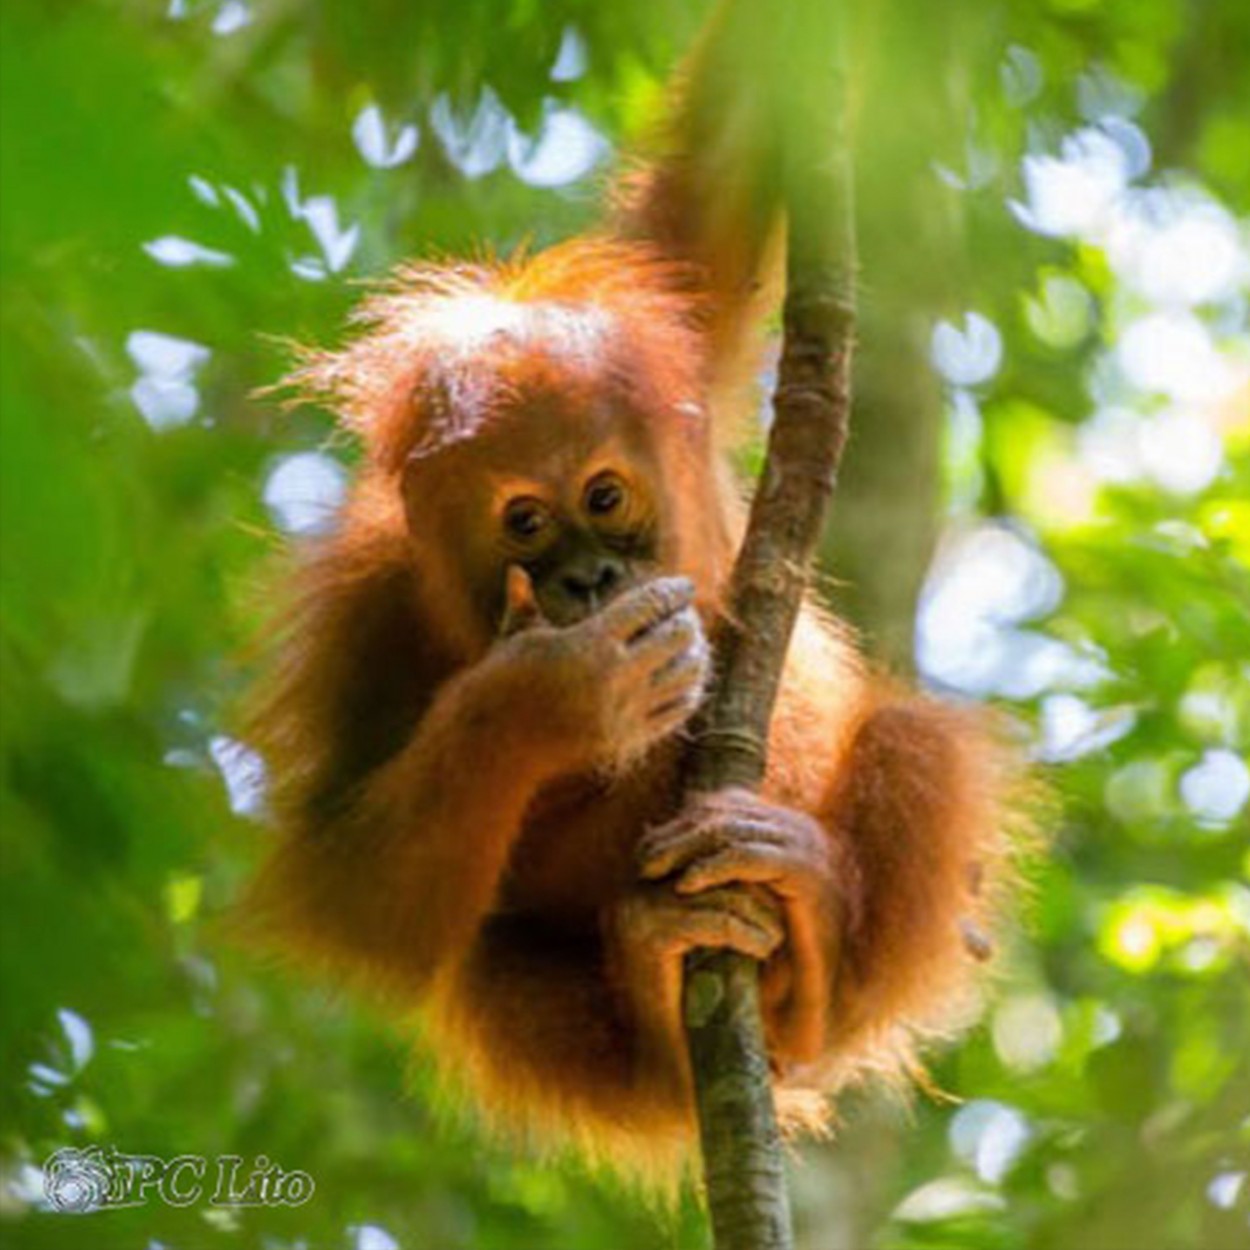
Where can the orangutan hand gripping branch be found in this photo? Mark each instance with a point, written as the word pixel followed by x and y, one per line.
pixel 475 720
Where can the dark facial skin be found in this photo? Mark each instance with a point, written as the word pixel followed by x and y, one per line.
pixel 581 545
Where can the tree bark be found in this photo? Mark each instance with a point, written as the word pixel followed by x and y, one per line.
pixel 743 1163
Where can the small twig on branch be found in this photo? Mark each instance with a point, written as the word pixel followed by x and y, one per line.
pixel 743 1164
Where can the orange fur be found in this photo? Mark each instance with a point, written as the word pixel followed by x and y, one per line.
pixel 452 831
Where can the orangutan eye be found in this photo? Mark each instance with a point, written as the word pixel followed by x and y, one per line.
pixel 526 519
pixel 604 495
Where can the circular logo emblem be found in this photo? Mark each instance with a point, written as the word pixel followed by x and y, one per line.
pixel 76 1181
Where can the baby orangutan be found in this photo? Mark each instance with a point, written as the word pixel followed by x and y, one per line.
pixel 474 726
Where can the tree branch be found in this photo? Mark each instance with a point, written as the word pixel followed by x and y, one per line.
pixel 742 1156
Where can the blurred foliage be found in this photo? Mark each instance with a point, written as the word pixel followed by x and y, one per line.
pixel 215 173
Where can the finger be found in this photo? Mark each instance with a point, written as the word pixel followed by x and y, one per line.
pixel 746 808
pixel 755 863
pixel 748 902
pixel 683 674
pixel 670 847
pixel 715 928
pixel 673 712
pixel 633 614
pixel 677 844
pixel 521 610
pixel 689 648
pixel 683 850
pixel 658 651
pixel 670 639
